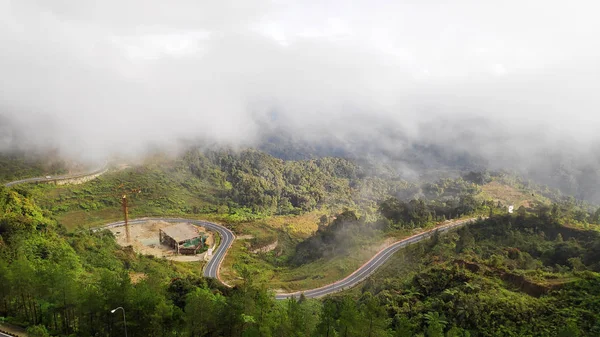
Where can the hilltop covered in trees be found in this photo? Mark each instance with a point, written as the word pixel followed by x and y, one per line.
pixel 264 183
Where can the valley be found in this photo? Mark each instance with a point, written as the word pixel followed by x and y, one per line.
pixel 359 240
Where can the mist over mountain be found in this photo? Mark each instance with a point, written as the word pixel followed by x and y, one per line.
pixel 413 86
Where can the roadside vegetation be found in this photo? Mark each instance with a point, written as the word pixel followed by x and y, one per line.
pixel 289 204
pixel 302 224
pixel 16 165
pixel 510 275
pixel 152 190
pixel 519 275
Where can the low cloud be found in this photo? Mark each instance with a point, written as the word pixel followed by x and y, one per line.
pixel 503 81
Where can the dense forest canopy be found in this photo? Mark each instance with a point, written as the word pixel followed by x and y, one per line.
pixel 534 272
pixel 574 171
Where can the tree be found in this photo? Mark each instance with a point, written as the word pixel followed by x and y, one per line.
pixel 569 330
pixel 596 217
pixel 435 324
pixel 374 316
pixel 457 332
pixel 327 323
pixel 350 320
pixel 323 220
pixel 403 327
pixel 559 238
pixel 37 331
pixel 466 239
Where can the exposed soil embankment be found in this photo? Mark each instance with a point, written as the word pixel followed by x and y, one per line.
pixel 267 248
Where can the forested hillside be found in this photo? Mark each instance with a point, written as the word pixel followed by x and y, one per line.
pixel 517 275
pixel 523 275
pixel 236 186
pixel 17 165
pixel 531 273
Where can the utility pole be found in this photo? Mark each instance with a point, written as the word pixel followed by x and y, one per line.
pixel 124 203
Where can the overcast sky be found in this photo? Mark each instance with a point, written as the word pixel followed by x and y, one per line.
pixel 94 76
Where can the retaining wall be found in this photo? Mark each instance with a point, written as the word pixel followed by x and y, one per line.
pixel 76 180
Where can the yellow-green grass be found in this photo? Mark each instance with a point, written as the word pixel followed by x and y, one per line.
pixel 509 195
pixel 88 219
pixel 300 225
pixel 193 267
pixel 308 276
pixel 99 201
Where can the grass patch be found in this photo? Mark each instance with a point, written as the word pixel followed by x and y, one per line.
pixel 506 194
pixel 164 190
pixel 307 276
pixel 301 225
pixel 271 267
pixel 512 192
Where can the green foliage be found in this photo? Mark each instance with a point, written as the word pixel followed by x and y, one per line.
pixel 19 214
pixel 510 275
pixel 269 185
pixel 478 177
pixel 168 189
pixel 435 324
pixel 37 331
pixel 419 213
pixel 235 186
pixel 345 233
pixel 16 165
pixel 502 276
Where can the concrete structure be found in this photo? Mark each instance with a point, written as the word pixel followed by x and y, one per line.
pixel 184 238
pixel 60 180
pixel 79 179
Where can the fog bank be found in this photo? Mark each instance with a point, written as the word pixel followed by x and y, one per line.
pixel 511 81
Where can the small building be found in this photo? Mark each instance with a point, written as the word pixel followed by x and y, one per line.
pixel 184 238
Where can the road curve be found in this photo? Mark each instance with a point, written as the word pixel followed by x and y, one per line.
pixel 212 267
pixel 54 178
pixel 370 266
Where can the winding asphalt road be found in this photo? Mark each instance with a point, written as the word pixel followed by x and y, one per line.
pixel 373 264
pixel 53 178
pixel 212 267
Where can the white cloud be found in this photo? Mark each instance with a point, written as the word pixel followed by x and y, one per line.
pixel 499 69
pixel 157 46
pixel 115 74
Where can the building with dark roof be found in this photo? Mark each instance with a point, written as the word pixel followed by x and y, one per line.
pixel 184 238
